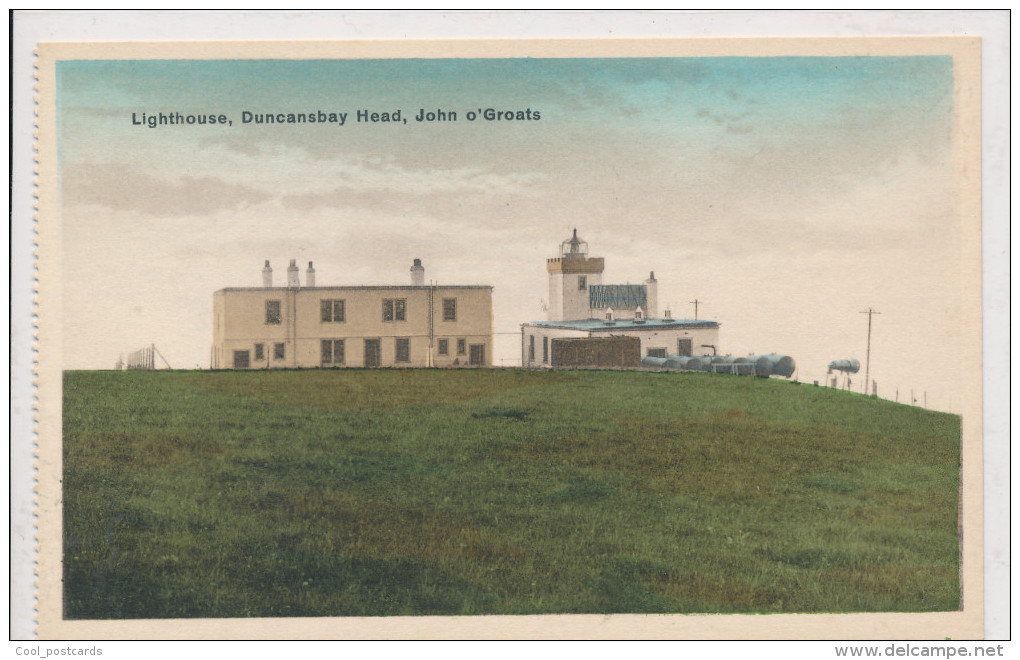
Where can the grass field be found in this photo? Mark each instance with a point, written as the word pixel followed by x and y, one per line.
pixel 405 492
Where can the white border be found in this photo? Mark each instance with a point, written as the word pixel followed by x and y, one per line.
pixel 31 26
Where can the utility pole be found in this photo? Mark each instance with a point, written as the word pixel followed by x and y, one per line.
pixel 695 303
pixel 867 359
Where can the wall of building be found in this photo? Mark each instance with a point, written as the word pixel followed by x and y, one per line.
pixel 538 334
pixel 567 299
pixel 667 339
pixel 240 323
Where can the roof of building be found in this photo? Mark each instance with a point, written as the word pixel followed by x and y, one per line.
pixel 403 287
pixel 626 324
pixel 617 296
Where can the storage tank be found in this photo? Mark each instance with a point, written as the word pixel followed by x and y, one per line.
pixel 677 361
pixel 851 366
pixel 774 365
pixel 702 363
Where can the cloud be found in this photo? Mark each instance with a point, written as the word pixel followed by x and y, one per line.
pixel 122 188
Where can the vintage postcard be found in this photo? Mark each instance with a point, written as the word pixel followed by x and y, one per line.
pixel 510 339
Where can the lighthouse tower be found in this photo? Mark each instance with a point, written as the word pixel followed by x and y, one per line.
pixel 570 275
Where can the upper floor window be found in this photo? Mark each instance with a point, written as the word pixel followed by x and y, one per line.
pixel 273 314
pixel 332 311
pixel 394 309
pixel 582 283
pixel 449 309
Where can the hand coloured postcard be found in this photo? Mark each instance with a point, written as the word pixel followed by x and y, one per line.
pixel 583 339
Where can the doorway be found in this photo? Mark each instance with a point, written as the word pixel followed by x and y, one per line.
pixel 373 352
pixel 477 355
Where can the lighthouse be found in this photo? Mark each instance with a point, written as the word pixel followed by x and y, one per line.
pixel 571 274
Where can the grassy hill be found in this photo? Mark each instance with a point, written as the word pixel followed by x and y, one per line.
pixel 355 492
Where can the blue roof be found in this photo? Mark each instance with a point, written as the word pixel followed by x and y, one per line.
pixel 627 324
pixel 619 296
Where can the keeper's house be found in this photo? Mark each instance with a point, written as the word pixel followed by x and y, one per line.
pixel 580 305
pixel 294 326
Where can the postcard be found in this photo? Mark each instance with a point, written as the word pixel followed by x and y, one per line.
pixel 529 339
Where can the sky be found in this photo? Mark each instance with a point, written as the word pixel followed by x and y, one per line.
pixel 787 194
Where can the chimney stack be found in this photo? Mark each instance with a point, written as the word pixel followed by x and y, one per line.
pixel 310 275
pixel 417 274
pixel 293 280
pixel 267 275
pixel 652 296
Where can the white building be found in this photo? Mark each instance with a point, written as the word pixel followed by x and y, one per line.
pixel 580 305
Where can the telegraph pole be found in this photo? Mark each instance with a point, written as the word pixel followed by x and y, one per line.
pixel 695 303
pixel 867 359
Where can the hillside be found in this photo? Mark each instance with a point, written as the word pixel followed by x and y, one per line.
pixel 352 492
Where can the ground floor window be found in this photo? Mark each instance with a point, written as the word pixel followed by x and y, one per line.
pixel 461 346
pixel 403 349
pixel 279 351
pixel 241 360
pixel 545 350
pixel 333 351
pixel 657 352
pixel 260 352
pixel 477 355
pixel 531 348
pixel 444 346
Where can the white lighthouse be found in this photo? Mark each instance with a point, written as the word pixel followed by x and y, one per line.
pixel 570 276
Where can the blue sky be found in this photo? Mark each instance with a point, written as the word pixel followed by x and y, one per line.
pixel 786 191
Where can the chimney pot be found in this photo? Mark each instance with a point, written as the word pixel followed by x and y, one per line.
pixel 417 273
pixel 267 275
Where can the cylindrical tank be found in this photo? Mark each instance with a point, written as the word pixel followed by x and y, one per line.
pixel 702 363
pixel 850 366
pixel 677 361
pixel 774 365
pixel 649 361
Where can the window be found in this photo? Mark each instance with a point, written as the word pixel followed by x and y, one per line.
pixel 278 351
pixel 273 315
pixel 638 314
pixel 685 347
pixel 545 349
pixel 461 346
pixel 394 309
pixel 657 352
pixel 332 351
pixel 531 348
pixel 403 349
pixel 260 351
pixel 582 283
pixel 241 360
pixel 444 346
pixel 449 309
pixel 332 311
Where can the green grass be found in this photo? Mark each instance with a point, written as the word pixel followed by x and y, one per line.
pixel 378 492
